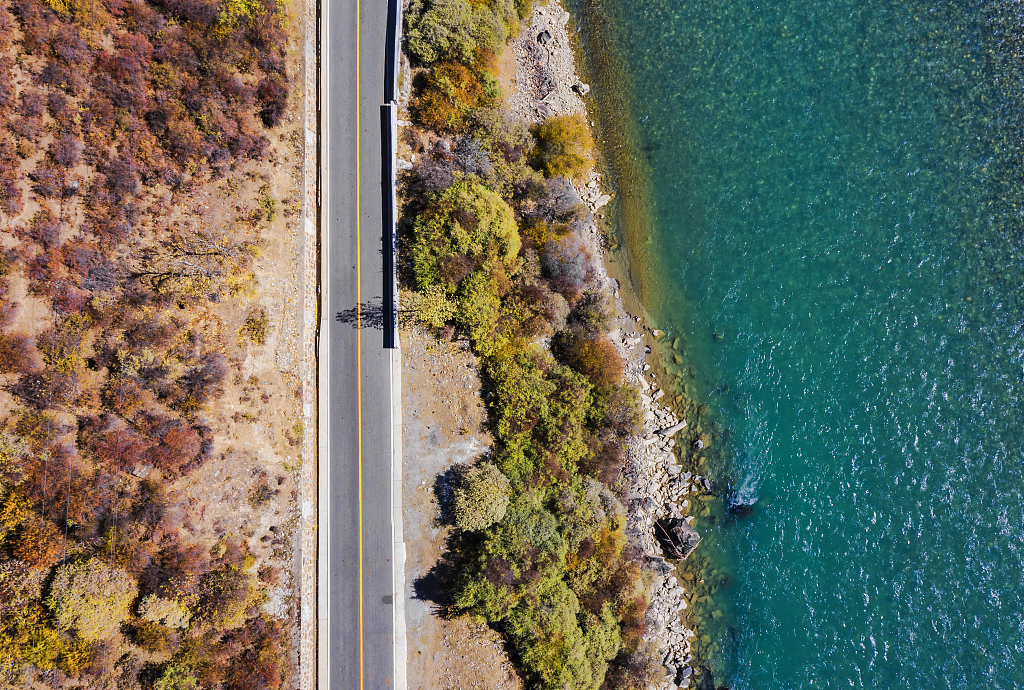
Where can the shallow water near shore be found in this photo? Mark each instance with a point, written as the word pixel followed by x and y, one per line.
pixel 834 248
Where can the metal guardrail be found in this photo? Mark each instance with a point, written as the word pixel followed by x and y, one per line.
pixel 389 155
pixel 389 152
pixel 393 48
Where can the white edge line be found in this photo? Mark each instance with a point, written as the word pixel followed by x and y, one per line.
pixel 323 381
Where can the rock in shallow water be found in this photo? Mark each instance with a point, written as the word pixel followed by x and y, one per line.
pixel 677 538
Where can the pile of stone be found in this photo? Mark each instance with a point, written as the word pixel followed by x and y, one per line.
pixel 546 83
pixel 658 514
pixel 591 192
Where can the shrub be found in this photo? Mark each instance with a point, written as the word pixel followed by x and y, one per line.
pixel 18 354
pixel 482 499
pixel 568 264
pixel 176 677
pixel 617 408
pixel 564 146
pixel 460 29
pixel 451 91
pixel 540 414
pixel 257 666
pixel 91 598
pixel 44 228
pixel 594 312
pixel 256 325
pixel 479 310
pixel 593 356
pixel 223 596
pixel 272 93
pixel 459 233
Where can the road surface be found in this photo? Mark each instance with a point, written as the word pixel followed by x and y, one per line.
pixel 357 647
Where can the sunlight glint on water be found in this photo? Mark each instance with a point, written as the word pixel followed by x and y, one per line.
pixel 837 253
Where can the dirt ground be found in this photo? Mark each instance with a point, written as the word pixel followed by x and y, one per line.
pixel 443 429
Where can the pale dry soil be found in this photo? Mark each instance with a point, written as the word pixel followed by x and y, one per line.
pixel 443 429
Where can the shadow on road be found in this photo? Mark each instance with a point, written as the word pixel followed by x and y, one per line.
pixel 372 316
pixel 366 315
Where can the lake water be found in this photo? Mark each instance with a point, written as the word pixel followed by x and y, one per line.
pixel 831 199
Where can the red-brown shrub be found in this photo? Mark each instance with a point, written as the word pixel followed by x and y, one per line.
pixel 17 354
pixel 593 356
pixel 39 542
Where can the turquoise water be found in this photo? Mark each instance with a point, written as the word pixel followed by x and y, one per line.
pixel 836 243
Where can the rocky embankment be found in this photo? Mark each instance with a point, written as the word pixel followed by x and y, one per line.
pixel 662 494
pixel 546 85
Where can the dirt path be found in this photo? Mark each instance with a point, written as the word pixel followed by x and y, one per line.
pixel 444 430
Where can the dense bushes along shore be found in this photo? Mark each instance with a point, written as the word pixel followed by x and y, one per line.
pixel 497 256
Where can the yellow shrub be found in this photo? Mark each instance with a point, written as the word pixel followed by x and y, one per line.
pixel 564 146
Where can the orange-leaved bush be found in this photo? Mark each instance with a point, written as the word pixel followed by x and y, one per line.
pixel 451 91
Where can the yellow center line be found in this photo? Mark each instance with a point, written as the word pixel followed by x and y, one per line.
pixel 359 349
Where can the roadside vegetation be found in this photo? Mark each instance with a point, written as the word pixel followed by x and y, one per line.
pixel 496 255
pixel 114 115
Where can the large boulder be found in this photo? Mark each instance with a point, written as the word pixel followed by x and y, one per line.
pixel 677 538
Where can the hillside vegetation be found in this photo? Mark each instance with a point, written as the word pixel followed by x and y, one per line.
pixel 115 115
pixel 497 256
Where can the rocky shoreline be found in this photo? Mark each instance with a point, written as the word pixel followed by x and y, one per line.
pixel 546 84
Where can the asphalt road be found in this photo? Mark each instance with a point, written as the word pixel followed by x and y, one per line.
pixel 356 407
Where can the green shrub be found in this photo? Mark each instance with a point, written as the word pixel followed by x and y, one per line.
pixel 564 146
pixel 482 499
pixel 465 243
pixel 540 413
pixel 460 230
pixel 479 311
pixel 458 29
pixel 176 677
pixel 617 409
pixel 256 325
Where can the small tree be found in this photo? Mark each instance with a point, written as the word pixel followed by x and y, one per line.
pixel 482 499
pixel 91 597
